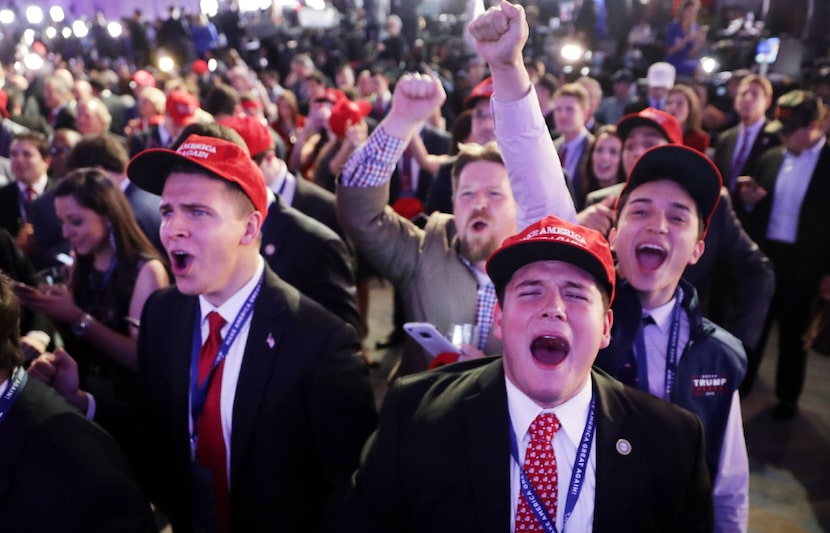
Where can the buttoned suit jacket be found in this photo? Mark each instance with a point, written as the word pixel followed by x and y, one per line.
pixel 61 472
pixel 312 258
pixel 812 247
pixel 302 410
pixel 440 459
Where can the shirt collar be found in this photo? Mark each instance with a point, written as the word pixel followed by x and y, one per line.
pixel 230 309
pixel 662 314
pixel 572 414
pixel 39 186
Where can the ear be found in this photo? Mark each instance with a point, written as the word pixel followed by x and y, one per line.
pixel 607 322
pixel 612 237
pixel 697 252
pixel 497 315
pixel 253 226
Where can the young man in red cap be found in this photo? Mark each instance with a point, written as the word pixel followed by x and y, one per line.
pixel 255 399
pixel 660 341
pixel 535 437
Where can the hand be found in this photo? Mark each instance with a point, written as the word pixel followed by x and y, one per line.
pixel 55 302
pixel 34 344
pixel 751 193
pixel 598 216
pixel 26 239
pixel 60 371
pixel 500 34
pixel 416 98
pixel 356 134
pixel 468 351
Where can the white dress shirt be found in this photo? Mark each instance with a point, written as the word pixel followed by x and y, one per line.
pixel 572 416
pixel 233 361
pixel 730 488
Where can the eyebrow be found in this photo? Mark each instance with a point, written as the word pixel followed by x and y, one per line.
pixel 676 205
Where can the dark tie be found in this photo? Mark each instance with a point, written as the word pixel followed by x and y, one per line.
pixel 407 187
pixel 30 195
pixel 540 467
pixel 631 371
pixel 740 159
pixel 211 451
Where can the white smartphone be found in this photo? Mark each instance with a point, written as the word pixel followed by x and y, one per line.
pixel 430 339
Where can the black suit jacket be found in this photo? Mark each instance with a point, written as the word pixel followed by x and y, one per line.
pixel 316 202
pixel 312 258
pixel 11 219
pixel 65 118
pixel 146 210
pixel 725 152
pixel 439 460
pixel 303 408
pixel 812 246
pixel 61 472
pixel 436 142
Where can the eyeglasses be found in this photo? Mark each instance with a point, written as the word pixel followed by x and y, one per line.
pixel 59 150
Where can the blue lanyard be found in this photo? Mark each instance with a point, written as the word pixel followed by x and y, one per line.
pixel 198 392
pixel 16 383
pixel 577 475
pixel 671 351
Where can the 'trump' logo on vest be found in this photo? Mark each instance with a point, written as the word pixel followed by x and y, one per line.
pixel 709 385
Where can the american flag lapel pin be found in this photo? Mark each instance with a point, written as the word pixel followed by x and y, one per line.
pixel 270 340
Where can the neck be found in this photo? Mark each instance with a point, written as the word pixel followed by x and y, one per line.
pixel 653 299
pixel 103 258
pixel 245 270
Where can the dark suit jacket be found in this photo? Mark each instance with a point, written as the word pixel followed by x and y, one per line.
pixel 60 472
pixel 303 409
pixel 812 246
pixel 146 210
pixel 576 184
pixel 11 219
pixel 8 129
pixel 436 142
pixel 65 118
pixel 725 152
pixel 49 241
pixel 316 202
pixel 439 460
pixel 312 258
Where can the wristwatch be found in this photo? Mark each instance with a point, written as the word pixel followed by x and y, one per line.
pixel 82 325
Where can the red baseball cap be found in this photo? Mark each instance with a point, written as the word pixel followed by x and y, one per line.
pixel 181 107
pixel 554 239
pixel 253 132
pixel 142 78
pixel 654 118
pixel 347 111
pixel 199 66
pixel 150 168
pixel 689 168
pixel 4 103
pixel 479 92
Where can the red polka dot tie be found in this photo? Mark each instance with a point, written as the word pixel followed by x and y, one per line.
pixel 540 467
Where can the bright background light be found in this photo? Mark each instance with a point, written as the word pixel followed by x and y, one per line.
pixel 34 15
pixel 51 32
pixel 6 16
pixel 209 7
pixel 709 64
pixel 166 64
pixel 33 62
pixel 56 13
pixel 114 29
pixel 79 29
pixel 572 52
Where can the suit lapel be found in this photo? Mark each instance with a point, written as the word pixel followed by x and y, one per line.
pixel 487 425
pixel 261 354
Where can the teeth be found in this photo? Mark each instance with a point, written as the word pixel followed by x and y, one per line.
pixel 650 247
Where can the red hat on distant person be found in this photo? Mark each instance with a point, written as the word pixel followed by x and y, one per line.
pixel 479 92
pixel 655 118
pixel 554 239
pixel 346 111
pixel 4 103
pixel 150 168
pixel 143 78
pixel 181 107
pixel 199 66
pixel 253 132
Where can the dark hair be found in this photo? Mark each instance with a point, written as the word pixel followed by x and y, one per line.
pixel 589 177
pixel 106 151
pixel 38 139
pixel 221 100
pixel 92 189
pixel 462 126
pixel 11 355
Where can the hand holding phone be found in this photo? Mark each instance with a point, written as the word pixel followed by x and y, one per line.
pixel 430 339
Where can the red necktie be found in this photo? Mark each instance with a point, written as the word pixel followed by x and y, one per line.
pixel 211 451
pixel 740 159
pixel 540 467
pixel 407 188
